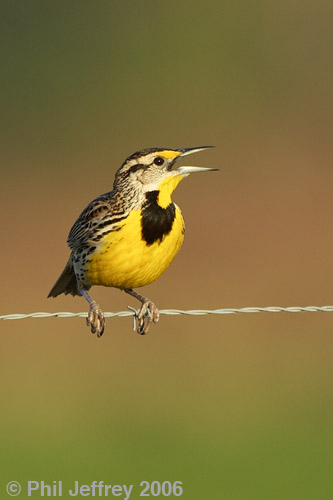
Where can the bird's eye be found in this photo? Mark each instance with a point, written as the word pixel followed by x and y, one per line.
pixel 159 160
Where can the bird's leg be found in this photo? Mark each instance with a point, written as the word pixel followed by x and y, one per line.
pixel 95 318
pixel 148 313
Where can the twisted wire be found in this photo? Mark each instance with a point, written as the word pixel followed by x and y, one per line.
pixel 174 312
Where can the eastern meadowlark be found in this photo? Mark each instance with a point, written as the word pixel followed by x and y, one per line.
pixel 128 237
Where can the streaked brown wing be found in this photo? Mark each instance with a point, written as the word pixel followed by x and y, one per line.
pixel 97 220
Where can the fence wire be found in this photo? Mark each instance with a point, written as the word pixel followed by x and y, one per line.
pixel 174 312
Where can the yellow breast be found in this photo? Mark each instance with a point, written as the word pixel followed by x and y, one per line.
pixel 124 260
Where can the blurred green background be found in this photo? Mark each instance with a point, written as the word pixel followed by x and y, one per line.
pixel 235 407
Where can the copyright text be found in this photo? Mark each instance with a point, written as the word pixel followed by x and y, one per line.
pixel 96 489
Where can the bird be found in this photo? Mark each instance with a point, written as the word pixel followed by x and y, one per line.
pixel 127 237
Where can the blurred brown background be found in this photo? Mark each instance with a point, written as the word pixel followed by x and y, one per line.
pixel 236 407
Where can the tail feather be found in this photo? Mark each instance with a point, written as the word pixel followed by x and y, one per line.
pixel 66 283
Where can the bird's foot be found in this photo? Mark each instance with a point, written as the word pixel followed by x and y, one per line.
pixel 147 315
pixel 95 319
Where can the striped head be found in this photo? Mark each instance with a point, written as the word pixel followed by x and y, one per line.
pixel 156 169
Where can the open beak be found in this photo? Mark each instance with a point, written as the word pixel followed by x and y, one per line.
pixel 183 170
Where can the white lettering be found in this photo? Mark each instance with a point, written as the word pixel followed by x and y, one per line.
pixel 32 486
pixel 127 491
pixel 76 491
